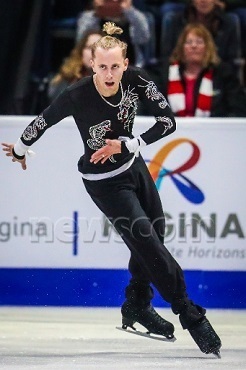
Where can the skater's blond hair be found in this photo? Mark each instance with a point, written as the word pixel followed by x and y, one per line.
pixel 109 41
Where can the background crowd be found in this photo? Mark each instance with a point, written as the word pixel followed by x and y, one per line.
pixel 194 50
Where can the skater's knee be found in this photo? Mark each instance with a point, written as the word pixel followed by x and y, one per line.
pixel 142 230
pixel 138 229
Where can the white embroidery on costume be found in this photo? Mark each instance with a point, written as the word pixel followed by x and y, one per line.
pixel 31 132
pixel 128 101
pixel 152 93
pixel 97 132
pixel 166 121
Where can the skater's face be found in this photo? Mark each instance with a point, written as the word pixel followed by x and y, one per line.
pixel 108 66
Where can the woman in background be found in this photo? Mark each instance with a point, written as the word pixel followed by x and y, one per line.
pixel 76 66
pixel 195 80
pixel 209 13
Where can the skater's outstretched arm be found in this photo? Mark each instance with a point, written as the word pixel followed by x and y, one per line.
pixel 60 108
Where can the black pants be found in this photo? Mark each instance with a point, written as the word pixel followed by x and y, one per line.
pixel 132 203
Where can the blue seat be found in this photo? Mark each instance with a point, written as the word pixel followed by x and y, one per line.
pixel 239 61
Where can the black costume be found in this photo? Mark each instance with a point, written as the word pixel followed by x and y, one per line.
pixel 122 187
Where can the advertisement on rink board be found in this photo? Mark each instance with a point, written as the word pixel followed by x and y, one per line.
pixel 48 219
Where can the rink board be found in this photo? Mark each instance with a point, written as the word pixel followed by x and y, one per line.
pixel 62 287
pixel 56 248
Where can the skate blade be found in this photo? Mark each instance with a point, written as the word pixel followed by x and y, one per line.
pixel 217 354
pixel 147 335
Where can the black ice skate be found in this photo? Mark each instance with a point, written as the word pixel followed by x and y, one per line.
pixel 147 317
pixel 205 337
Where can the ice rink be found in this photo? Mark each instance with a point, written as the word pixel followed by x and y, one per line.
pixel 86 338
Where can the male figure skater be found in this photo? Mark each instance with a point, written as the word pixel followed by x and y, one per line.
pixel 117 179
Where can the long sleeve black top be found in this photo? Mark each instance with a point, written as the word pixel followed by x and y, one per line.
pixel 98 119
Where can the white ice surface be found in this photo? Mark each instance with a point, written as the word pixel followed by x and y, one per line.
pixel 86 338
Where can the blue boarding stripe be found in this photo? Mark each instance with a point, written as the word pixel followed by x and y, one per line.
pixel 103 287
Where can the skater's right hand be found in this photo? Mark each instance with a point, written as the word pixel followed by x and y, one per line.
pixel 8 148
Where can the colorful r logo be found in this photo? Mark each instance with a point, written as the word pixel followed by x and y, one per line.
pixel 189 190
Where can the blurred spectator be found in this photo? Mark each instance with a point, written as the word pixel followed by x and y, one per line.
pixel 196 82
pixel 222 26
pixel 133 22
pixel 76 66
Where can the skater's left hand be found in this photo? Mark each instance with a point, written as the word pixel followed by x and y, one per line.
pixel 102 154
pixel 8 148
